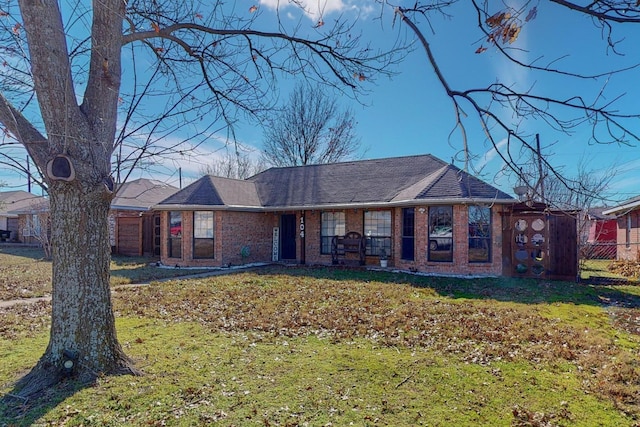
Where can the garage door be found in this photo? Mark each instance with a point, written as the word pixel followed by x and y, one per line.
pixel 129 232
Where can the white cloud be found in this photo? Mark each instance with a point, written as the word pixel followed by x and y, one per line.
pixel 491 154
pixel 314 9
pixel 187 164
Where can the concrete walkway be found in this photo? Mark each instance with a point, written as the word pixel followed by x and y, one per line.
pixel 12 302
pixel 217 272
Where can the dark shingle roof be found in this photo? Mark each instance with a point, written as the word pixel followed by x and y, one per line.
pixel 216 191
pixel 598 213
pixel 454 183
pixel 201 192
pixel 395 180
pixel 370 181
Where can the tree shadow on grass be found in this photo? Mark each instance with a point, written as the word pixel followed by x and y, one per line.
pixel 507 289
pixel 24 251
pixel 16 410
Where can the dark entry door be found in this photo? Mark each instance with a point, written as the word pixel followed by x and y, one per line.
pixel 288 237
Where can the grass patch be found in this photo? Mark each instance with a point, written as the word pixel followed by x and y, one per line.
pixel 597 268
pixel 194 376
pixel 24 273
pixel 317 346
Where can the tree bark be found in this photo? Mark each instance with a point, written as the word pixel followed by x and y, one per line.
pixel 82 320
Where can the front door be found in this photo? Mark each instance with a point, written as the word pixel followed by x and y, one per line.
pixel 288 237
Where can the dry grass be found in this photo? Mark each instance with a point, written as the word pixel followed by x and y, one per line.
pixel 24 273
pixel 628 269
pixel 391 345
pixel 480 331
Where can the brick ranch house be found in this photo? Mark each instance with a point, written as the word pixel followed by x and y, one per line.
pixel 423 213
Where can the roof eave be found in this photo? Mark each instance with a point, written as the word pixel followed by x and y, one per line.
pixel 130 208
pixel 622 208
pixel 179 207
pixel 395 203
pixel 360 205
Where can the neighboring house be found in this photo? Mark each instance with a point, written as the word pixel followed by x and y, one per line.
pixel 134 228
pixel 627 214
pixel 11 202
pixel 134 225
pixel 598 234
pixel 425 214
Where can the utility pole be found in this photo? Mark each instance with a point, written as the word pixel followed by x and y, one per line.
pixel 28 176
pixel 540 183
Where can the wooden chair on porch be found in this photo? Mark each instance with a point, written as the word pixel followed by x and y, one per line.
pixel 352 242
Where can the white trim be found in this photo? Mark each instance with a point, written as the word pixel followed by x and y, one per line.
pixel 338 206
pixel 627 207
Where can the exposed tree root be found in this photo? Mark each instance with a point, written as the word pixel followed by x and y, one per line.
pixel 46 375
pixel 46 385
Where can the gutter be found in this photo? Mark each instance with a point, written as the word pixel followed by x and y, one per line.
pixel 130 208
pixel 626 208
pixel 336 206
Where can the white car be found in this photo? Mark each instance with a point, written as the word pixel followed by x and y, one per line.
pixel 440 238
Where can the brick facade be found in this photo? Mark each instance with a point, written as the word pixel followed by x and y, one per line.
pixel 460 263
pixel 629 244
pixel 233 230
pixel 26 234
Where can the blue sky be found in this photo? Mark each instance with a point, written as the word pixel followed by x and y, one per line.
pixel 410 113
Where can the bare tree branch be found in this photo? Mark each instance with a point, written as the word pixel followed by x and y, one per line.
pixel 310 129
pixel 562 114
pixel 623 12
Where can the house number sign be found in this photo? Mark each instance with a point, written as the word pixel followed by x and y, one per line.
pixel 302 227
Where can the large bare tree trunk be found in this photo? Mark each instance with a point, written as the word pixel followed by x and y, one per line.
pixel 82 322
pixel 82 326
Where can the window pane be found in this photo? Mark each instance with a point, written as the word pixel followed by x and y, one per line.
pixel 332 224
pixel 175 235
pixel 203 234
pixel 175 221
pixel 440 229
pixel 203 224
pixel 408 237
pixel 203 248
pixel 377 229
pixel 479 234
pixel 175 247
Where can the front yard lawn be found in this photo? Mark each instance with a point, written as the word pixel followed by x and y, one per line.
pixel 24 273
pixel 320 346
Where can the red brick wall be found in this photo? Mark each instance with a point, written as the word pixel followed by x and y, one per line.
pixel 233 230
pixel 312 239
pixel 239 229
pixel 460 264
pixel 236 229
